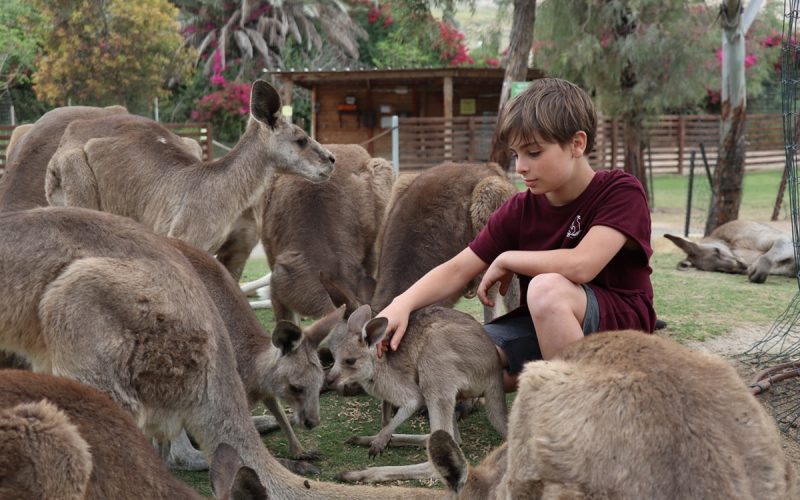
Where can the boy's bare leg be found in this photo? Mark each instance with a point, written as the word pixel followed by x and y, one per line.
pixel 557 308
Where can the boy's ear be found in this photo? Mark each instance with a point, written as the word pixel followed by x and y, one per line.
pixel 579 144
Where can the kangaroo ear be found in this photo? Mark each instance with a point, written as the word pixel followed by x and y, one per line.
pixel 247 486
pixel 687 246
pixel 374 330
pixel 317 332
pixel 359 318
pixel 287 336
pixel 265 103
pixel 448 459
pixel 223 464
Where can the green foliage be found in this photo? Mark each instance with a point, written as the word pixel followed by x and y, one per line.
pixel 108 52
pixel 638 57
pixel 19 21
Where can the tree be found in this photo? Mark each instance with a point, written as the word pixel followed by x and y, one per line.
pixel 252 35
pixel 101 52
pixel 19 46
pixel 519 50
pixel 638 57
pixel 729 174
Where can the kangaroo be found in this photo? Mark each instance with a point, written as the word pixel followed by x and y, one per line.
pixel 283 366
pixel 445 355
pixel 101 299
pixel 433 216
pixel 61 439
pixel 22 186
pixel 302 222
pixel 144 171
pixel 741 247
pixel 628 415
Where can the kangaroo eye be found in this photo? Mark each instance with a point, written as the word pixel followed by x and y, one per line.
pixel 350 361
pixel 302 142
pixel 295 389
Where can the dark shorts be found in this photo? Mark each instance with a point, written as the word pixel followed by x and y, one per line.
pixel 515 335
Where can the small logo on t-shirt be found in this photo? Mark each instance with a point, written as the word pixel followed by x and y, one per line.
pixel 575 227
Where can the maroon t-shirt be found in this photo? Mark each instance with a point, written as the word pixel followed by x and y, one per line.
pixel 614 199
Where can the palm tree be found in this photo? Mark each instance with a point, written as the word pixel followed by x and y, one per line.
pixel 258 31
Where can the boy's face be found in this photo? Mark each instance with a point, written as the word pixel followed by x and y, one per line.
pixel 545 167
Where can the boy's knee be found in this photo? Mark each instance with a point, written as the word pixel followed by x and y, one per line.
pixel 547 288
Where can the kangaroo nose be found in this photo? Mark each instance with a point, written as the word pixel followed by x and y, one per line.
pixel 332 158
pixel 309 424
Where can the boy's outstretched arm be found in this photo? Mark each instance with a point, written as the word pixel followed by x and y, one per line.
pixel 444 280
pixel 579 265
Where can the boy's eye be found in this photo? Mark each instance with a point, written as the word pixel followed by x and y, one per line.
pixel 534 154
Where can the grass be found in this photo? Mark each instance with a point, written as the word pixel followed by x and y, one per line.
pixel 696 305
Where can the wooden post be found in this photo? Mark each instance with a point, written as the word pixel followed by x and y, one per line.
pixel 613 144
pixel 681 142
pixel 314 112
pixel 448 117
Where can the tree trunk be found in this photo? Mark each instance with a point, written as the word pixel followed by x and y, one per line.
pixel 634 152
pixel 726 192
pixel 519 48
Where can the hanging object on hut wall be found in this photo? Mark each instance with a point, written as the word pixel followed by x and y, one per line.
pixel 349 104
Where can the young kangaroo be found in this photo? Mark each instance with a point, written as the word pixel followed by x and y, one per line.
pixel 63 440
pixel 627 415
pixel 446 355
pixel 283 366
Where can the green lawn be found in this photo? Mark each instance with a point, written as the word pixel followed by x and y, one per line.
pixel 696 305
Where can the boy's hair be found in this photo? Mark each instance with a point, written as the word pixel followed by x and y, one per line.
pixel 550 110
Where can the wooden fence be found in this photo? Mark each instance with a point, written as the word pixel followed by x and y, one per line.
pixel 201 132
pixel 671 138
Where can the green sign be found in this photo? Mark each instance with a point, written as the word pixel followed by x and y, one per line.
pixel 518 87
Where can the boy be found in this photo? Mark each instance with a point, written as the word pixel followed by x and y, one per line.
pixel 579 240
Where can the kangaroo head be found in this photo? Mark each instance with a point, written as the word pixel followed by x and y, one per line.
pixel 298 373
pixel 287 147
pixel 709 255
pixel 483 481
pixel 351 346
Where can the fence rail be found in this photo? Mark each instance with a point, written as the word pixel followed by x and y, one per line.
pixel 201 132
pixel 424 142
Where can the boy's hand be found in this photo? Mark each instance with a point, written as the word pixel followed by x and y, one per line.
pixel 495 273
pixel 395 329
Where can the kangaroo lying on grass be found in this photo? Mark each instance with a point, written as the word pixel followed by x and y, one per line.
pixel 303 222
pixel 63 440
pixel 630 416
pixel 446 355
pixel 283 366
pixel 144 171
pixel 742 247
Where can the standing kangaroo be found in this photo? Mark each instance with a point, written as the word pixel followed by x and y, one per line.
pixel 303 222
pixel 628 415
pixel 63 440
pixel 446 355
pixel 134 167
pixel 101 299
pixel 22 185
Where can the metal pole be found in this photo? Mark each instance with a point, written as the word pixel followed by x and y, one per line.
pixel 396 144
pixel 155 108
pixel 689 199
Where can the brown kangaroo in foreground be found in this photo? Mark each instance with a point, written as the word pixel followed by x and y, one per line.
pixel 445 355
pixel 63 440
pixel 742 247
pixel 144 171
pixel 103 300
pixel 628 415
